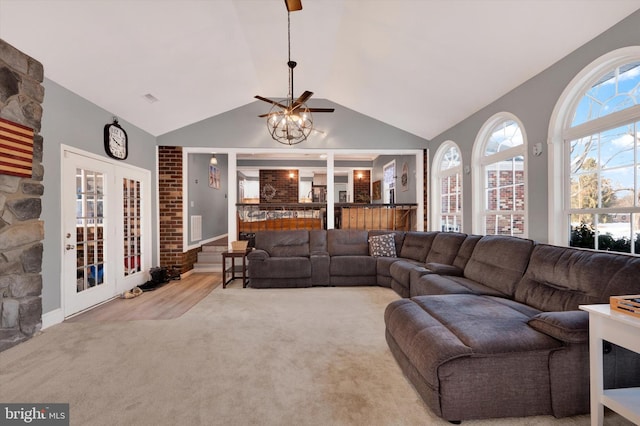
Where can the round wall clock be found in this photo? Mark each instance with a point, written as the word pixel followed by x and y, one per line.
pixel 116 142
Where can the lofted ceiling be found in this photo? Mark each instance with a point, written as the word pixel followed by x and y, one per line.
pixel 419 65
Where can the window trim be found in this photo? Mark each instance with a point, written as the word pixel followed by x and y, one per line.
pixel 478 165
pixel 560 130
pixel 436 175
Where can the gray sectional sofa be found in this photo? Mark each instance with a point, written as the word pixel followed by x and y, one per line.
pixel 488 326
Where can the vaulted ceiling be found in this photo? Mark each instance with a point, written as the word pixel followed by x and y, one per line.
pixel 419 65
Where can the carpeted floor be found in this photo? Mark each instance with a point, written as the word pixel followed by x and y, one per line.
pixel 239 357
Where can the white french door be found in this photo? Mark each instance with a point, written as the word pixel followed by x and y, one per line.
pixel 105 211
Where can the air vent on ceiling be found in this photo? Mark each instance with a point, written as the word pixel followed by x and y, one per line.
pixel 150 98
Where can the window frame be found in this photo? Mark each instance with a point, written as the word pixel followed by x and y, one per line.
pixel 479 163
pixel 561 133
pixel 437 174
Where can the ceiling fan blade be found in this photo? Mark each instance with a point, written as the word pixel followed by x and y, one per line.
pixel 322 109
pixel 270 101
pixel 301 100
pixel 293 5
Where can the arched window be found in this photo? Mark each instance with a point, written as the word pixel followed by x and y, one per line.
pixel 447 188
pixel 500 178
pixel 600 154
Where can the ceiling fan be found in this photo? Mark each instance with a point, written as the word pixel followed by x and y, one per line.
pixel 290 121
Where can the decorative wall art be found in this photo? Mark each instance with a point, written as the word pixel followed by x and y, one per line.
pixel 214 177
pixel 377 190
pixel 16 149
pixel 404 178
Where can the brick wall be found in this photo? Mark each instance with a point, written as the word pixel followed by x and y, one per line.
pixel 170 206
pixel 21 230
pixel 278 186
pixel 362 186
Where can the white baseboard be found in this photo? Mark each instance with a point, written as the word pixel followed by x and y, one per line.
pixel 52 318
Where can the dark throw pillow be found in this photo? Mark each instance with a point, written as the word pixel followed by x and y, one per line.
pixel 382 246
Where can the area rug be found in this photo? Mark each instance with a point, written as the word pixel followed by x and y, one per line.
pixel 314 356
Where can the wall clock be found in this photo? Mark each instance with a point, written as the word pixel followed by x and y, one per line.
pixel 116 142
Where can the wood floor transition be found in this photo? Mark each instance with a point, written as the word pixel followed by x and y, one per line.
pixel 166 302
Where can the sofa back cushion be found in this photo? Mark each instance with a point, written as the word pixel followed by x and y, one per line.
pixel 499 262
pixel 466 250
pixel 348 242
pixel 445 247
pixel 561 278
pixel 416 245
pixel 398 237
pixel 318 241
pixel 284 243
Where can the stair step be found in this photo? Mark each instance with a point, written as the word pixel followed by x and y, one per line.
pixel 206 267
pixel 214 249
pixel 209 257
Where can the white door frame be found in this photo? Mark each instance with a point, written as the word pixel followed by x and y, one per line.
pixel 115 270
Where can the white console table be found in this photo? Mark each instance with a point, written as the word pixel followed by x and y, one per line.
pixel 623 330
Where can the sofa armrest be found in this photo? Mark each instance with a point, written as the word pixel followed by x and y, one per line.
pixel 444 269
pixel 258 255
pixel 567 326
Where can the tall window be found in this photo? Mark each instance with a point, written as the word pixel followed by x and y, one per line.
pixel 447 188
pixel 602 162
pixel 499 155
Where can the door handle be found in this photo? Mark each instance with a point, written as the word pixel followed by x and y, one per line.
pixel 70 247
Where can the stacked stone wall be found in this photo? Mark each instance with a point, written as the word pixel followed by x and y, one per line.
pixel 21 230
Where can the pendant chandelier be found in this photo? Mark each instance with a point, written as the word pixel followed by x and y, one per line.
pixel 289 121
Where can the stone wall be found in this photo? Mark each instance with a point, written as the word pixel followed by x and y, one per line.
pixel 21 230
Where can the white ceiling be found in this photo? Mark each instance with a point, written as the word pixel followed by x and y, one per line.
pixel 421 66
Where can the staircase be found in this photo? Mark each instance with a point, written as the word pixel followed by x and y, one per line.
pixel 210 258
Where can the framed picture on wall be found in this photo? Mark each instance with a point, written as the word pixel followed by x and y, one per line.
pixel 214 177
pixel 377 190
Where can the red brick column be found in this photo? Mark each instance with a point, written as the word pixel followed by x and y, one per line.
pixel 170 206
pixel 362 186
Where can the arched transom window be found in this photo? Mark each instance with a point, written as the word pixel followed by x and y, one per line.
pixel 602 161
pixel 501 177
pixel 447 189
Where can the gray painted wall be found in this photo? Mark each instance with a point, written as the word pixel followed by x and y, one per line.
pixel 241 128
pixel 401 196
pixel 203 200
pixel 533 102
pixel 71 120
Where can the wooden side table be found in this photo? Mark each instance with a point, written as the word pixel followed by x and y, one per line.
pixel 234 269
pixel 623 330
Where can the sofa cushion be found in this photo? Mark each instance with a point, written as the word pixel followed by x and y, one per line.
pixel 283 243
pixel 567 326
pixel 499 262
pixel 433 284
pixel 382 245
pixel 281 267
pixel 351 242
pixel 445 247
pixel 416 245
pixel 352 266
pixel 562 278
pixel 466 250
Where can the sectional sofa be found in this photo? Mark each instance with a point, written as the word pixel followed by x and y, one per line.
pixel 487 326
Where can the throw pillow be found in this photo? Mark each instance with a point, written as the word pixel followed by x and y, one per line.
pixel 382 246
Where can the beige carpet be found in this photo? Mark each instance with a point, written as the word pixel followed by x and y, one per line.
pixel 240 357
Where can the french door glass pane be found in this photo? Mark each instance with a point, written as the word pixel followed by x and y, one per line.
pixel 89 236
pixel 132 230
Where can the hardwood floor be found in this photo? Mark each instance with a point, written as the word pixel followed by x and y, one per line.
pixel 167 302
